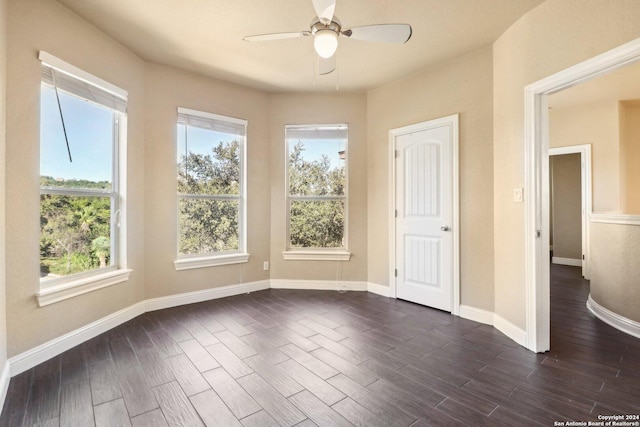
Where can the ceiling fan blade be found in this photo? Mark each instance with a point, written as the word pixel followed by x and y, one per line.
pixel 276 36
pixel 324 10
pixel 386 33
pixel 326 65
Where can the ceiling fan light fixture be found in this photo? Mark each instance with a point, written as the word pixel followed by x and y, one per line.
pixel 325 43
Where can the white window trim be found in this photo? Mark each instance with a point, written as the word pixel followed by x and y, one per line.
pixel 316 254
pixel 73 288
pixel 79 74
pixel 59 289
pixel 188 263
pixel 204 260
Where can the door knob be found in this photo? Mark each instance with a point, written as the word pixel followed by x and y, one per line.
pixel 444 228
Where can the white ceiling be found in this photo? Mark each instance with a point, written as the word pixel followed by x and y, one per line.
pixel 205 36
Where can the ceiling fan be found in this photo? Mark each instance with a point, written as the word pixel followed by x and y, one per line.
pixel 326 28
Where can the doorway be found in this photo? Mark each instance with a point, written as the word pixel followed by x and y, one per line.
pixel 424 219
pixel 569 190
pixel 537 183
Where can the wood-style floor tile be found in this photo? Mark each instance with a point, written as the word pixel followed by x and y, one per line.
pixel 213 411
pixel 280 409
pixel 233 395
pixel 318 358
pixel 176 407
pixel 112 414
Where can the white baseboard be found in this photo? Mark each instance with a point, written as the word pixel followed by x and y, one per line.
pixel 46 351
pixel 204 295
pixel 5 377
pixel 476 314
pixel 566 261
pixel 510 330
pixel 621 323
pixel 377 289
pixel 319 285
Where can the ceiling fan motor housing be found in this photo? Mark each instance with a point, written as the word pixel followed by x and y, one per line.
pixel 334 26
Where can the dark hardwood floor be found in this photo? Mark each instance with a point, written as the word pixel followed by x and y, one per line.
pixel 284 357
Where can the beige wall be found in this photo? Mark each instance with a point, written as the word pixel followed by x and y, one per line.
pixel 35 25
pixel 287 109
pixel 464 86
pixel 485 87
pixel 167 89
pixel 614 274
pixel 630 157
pixel 3 98
pixel 550 38
pixel 566 202
pixel 597 125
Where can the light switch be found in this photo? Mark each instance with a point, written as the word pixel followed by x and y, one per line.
pixel 517 195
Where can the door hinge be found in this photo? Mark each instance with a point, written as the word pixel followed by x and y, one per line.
pixel 538 233
pixel 396 213
pixel 396 272
pixel 583 257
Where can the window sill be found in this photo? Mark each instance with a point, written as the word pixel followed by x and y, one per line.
pixel 73 288
pixel 209 261
pixel 316 255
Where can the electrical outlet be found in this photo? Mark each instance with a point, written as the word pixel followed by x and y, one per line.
pixel 265 266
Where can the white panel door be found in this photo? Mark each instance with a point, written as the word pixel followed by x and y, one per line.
pixel 424 216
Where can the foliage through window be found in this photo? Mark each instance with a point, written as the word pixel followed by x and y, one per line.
pixel 211 202
pixel 317 191
pixel 79 198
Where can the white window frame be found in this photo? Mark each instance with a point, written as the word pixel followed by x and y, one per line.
pixel 212 259
pixel 292 253
pixel 93 89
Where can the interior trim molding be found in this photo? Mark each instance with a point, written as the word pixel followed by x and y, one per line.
pixel 567 261
pixel 609 218
pixel 188 263
pixel 62 291
pixel 510 330
pixel 476 314
pixel 160 303
pixel 319 285
pixel 377 289
pixel 5 378
pixel 50 349
pixel 56 346
pixel 326 255
pixel 615 320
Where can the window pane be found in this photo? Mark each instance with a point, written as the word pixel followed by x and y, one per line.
pixel 90 133
pixel 208 226
pixel 317 223
pixel 317 167
pixel 208 162
pixel 75 234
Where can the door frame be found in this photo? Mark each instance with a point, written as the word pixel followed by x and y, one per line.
pixel 536 162
pixel 452 121
pixel 586 196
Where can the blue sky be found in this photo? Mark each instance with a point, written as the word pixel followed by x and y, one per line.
pixel 315 148
pixel 90 132
pixel 200 141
